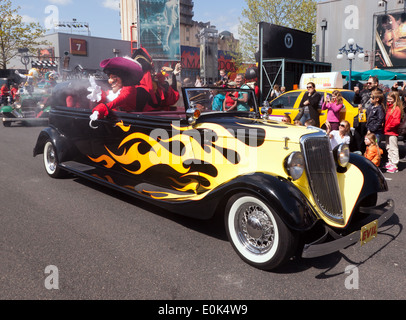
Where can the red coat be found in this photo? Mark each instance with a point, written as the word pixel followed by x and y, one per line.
pixel 126 101
pixel 5 91
pixel 392 120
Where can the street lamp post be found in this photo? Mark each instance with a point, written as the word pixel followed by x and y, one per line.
pixel 352 50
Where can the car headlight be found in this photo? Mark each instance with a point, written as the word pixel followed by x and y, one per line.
pixel 342 154
pixel 294 165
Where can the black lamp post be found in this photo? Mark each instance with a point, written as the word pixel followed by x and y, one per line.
pixel 350 52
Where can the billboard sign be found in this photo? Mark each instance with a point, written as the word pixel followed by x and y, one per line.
pixel 282 42
pixel 390 40
pixel 159 28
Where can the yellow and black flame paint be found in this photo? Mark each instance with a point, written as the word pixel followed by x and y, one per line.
pixel 190 161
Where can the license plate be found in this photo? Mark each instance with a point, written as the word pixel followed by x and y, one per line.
pixel 369 232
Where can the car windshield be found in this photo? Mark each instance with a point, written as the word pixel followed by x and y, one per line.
pixel 349 96
pixel 213 99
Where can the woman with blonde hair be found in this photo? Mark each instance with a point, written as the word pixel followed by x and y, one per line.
pixel 333 106
pixel 342 135
pixel 394 110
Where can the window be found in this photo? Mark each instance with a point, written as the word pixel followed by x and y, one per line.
pixel 286 101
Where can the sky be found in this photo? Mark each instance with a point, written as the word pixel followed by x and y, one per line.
pixel 103 16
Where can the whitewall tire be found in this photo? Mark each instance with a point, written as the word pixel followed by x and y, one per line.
pixel 257 233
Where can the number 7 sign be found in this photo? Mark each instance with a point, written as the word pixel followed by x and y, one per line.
pixel 78 47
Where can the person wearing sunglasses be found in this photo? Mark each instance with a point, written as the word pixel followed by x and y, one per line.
pixel 333 106
pixel 376 115
pixel 342 135
pixel 364 102
pixel 309 106
pixel 362 98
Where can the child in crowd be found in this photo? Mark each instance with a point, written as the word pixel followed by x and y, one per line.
pixel 373 152
pixel 333 105
pixel 376 115
pixel 392 121
pixel 230 102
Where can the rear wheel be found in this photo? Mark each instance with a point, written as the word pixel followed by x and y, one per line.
pixel 51 161
pixel 257 233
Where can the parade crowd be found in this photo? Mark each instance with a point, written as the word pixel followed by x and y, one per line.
pixel 384 120
pixel 134 87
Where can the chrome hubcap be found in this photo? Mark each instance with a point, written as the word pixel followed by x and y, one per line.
pixel 255 228
pixel 51 160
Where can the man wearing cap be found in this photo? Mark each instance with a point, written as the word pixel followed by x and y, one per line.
pixel 124 74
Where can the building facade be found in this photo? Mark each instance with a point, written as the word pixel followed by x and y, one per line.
pixel 374 25
pixel 191 40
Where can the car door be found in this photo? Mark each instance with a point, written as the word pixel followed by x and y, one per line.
pixel 287 103
pixel 147 153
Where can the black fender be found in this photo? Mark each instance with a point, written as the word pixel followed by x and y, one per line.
pixel 374 181
pixel 281 194
pixel 62 145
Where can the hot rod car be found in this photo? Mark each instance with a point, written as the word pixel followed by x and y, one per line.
pixel 280 188
pixel 27 109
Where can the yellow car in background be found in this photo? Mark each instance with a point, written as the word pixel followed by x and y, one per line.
pixel 288 103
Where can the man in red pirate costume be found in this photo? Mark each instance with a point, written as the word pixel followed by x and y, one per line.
pixel 124 74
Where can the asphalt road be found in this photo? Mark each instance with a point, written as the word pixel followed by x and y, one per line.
pixel 104 245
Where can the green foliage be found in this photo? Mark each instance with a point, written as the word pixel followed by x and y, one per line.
pixel 298 14
pixel 15 34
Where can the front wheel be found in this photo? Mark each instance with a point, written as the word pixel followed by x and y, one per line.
pixel 257 233
pixel 51 161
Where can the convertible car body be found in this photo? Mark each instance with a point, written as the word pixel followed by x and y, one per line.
pixel 28 109
pixel 275 184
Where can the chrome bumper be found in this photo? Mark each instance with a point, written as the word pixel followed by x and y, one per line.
pixel 318 248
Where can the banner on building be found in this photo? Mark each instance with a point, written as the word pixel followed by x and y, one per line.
pixel 159 28
pixel 282 42
pixel 390 40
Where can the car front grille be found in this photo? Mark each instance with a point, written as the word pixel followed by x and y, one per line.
pixel 322 174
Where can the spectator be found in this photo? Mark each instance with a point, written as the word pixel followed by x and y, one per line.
pixel 223 75
pixel 4 93
pixel 309 123
pixel 342 135
pixel 242 99
pixel 198 82
pixel 399 86
pixel 363 98
pixel 231 99
pixel 372 152
pixel 393 117
pixel 309 106
pixel 376 115
pixel 333 106
pixel 276 92
pixel 219 97
pixel 286 119
pixel 14 92
pixel 187 82
pixel 283 90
